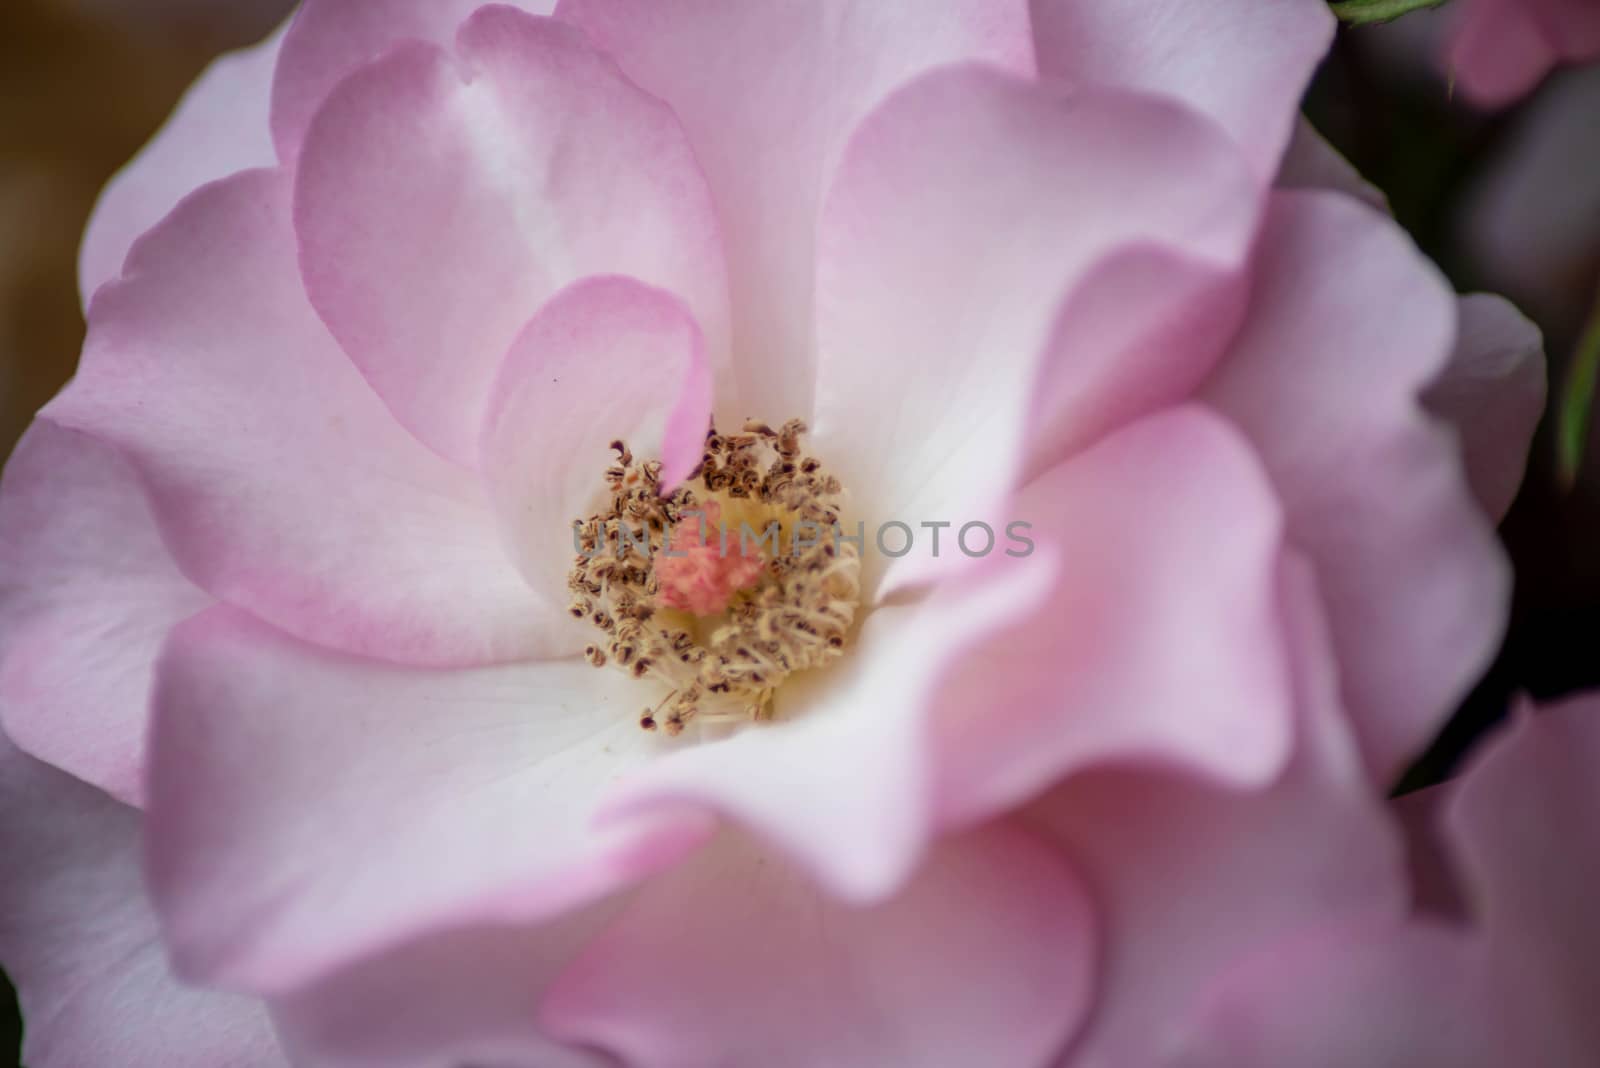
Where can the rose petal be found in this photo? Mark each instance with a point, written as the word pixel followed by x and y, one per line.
pixel 470 994
pixel 1502 49
pixel 1141 332
pixel 440 798
pixel 218 129
pixel 439 202
pixel 1523 821
pixel 1158 641
pixel 605 359
pixel 734 958
pixel 329 39
pixel 279 481
pixel 841 783
pixel 970 211
pixel 87 595
pixel 1493 393
pixel 768 91
pixel 1194 877
pixel 79 941
pixel 1499 53
pixel 1244 64
pixel 1379 995
pixel 1348 325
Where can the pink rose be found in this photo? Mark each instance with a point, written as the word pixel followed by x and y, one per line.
pixel 289 569
pixel 1500 49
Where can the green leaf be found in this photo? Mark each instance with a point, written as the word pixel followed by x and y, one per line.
pixel 1577 401
pixel 1363 12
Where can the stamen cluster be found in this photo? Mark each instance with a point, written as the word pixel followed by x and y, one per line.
pixel 796 614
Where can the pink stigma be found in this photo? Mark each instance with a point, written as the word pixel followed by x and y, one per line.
pixel 699 577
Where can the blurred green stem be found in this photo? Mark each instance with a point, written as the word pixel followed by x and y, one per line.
pixel 1577 400
pixel 1361 12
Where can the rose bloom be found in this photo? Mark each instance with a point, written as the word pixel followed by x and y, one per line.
pixel 327 749
pixel 1499 50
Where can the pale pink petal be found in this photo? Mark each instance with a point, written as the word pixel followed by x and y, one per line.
pixel 1312 163
pixel 440 200
pixel 218 129
pixel 1245 64
pixel 1523 820
pixel 843 782
pixel 87 595
pixel 78 940
pixel 768 91
pixel 1140 333
pixel 1348 325
pixel 308 808
pixel 734 958
pixel 605 359
pixel 1194 877
pixel 1158 641
pixel 471 997
pixel 1493 393
pixel 280 482
pixel 329 39
pixel 1374 995
pixel 973 218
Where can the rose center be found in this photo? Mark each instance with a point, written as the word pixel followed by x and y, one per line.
pixel 725 587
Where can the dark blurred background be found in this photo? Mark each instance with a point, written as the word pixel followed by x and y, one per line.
pixel 1509 202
